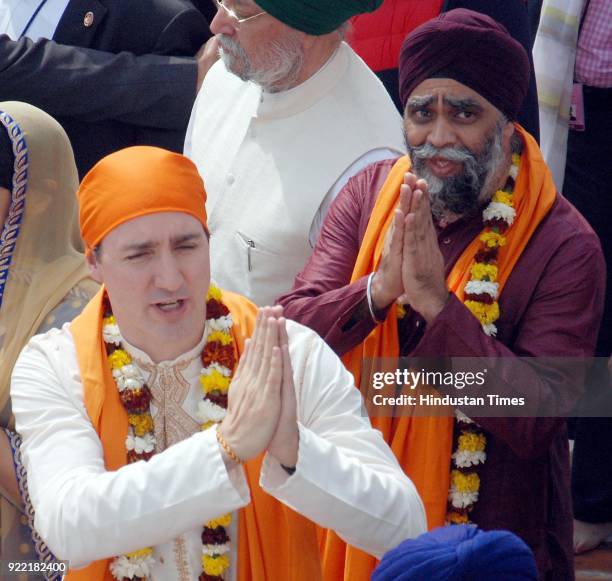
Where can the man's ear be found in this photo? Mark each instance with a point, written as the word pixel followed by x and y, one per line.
pixel 95 268
pixel 507 133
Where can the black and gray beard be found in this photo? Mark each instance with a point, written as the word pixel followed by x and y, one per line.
pixel 461 194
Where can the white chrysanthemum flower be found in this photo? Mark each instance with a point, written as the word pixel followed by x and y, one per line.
pixel 140 444
pixel 111 334
pixel 461 417
pixel 128 377
pixel 490 329
pixel 124 566
pixel 143 565
pixel 499 211
pixel 465 458
pixel 462 499
pixel 514 170
pixel 220 324
pixel 131 370
pixel 482 287
pixel 206 371
pixel 128 383
pixel 216 549
pixel 210 412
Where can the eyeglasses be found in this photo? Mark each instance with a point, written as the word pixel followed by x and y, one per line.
pixel 230 12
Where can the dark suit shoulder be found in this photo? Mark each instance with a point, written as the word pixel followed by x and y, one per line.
pixel 169 27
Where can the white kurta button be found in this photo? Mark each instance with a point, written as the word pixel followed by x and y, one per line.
pixel 88 20
pixel 230 179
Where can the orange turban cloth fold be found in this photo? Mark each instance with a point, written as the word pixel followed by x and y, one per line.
pixel 134 182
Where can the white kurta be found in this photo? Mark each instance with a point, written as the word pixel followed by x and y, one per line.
pixel 346 477
pixel 272 162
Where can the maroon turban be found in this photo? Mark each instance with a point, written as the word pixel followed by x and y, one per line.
pixel 470 48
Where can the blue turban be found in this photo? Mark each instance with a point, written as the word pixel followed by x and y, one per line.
pixel 459 553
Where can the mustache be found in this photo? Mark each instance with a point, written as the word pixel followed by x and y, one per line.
pixel 227 43
pixel 455 154
pixel 461 193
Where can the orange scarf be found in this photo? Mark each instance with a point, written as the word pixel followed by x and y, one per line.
pixel 423 445
pixel 274 542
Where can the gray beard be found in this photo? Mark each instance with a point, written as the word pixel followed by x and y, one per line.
pixel 464 193
pixel 285 59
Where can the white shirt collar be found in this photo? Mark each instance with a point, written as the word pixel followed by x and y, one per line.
pixel 141 358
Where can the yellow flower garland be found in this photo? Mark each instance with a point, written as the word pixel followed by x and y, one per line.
pixel 482 303
pixel 480 271
pixel 213 381
pixel 221 336
pixel 222 521
pixel 140 553
pixel 142 423
pixel 472 442
pixel 493 239
pixel 215 565
pixel 465 482
pixel 119 358
pixel 486 314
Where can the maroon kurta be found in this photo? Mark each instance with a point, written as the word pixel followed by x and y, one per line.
pixel 551 306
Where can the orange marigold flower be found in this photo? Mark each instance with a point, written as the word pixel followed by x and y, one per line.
pixel 458 518
pixel 216 352
pixel 142 423
pixel 136 401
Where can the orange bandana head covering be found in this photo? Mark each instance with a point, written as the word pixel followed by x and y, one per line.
pixel 134 182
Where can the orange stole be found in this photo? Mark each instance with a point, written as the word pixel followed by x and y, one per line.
pixel 274 542
pixel 423 445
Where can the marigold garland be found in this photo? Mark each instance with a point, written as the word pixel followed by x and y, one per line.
pixel 481 294
pixel 483 272
pixel 219 363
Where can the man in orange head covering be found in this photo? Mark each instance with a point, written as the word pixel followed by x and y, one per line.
pixel 161 445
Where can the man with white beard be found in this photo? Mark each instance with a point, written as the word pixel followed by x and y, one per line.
pixel 282 122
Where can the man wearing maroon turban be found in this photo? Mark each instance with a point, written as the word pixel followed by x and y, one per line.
pixel 464 249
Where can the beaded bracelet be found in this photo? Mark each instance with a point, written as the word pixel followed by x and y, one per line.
pixel 226 447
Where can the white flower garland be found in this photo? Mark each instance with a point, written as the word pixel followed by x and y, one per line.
pixel 130 567
pixel 471 442
pixel 128 378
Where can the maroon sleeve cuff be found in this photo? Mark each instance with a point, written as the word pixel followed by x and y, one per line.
pixel 454 332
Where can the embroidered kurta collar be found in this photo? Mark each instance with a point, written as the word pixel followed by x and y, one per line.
pixel 142 359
